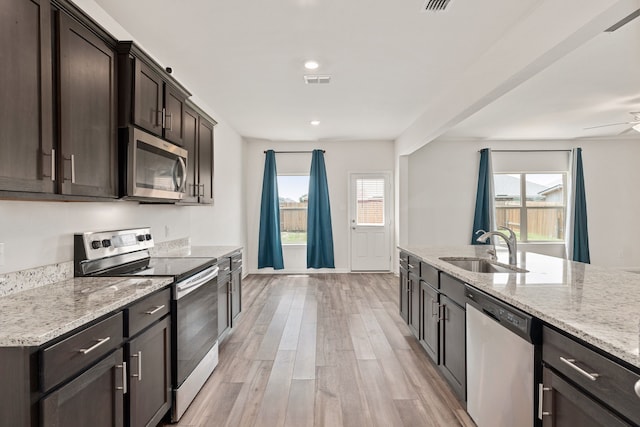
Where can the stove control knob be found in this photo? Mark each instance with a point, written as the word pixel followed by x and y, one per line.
pixel 106 243
pixel 140 237
pixel 95 244
pixel 148 236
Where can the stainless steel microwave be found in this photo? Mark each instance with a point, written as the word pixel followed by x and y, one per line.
pixel 152 169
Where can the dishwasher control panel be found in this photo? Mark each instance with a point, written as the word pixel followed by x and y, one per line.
pixel 510 317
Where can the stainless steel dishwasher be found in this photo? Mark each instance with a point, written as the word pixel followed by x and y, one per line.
pixel 502 351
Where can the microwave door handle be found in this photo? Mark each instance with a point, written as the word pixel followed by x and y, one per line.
pixel 183 167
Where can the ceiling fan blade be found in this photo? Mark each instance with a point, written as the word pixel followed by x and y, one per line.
pixel 610 124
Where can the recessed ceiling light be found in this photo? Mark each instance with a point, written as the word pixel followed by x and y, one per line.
pixel 311 65
pixel 315 122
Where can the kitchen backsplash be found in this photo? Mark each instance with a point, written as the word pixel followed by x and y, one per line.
pixel 47 274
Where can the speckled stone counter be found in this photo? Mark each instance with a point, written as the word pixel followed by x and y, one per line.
pixel 599 305
pixel 35 316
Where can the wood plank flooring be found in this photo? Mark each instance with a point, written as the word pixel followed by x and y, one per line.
pixel 323 350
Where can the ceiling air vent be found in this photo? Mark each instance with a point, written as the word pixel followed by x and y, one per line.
pixel 435 5
pixel 313 79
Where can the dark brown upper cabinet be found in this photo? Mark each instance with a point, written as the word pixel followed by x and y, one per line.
pixel 57 106
pixel 27 157
pixel 88 128
pixel 198 140
pixel 148 96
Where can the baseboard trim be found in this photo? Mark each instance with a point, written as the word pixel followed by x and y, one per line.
pixel 300 271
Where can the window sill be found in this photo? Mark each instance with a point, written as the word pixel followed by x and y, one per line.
pixel 293 244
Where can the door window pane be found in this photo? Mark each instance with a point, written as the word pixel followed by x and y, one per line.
pixel 370 201
pixel 293 192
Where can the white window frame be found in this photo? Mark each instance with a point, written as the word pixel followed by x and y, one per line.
pixel 523 205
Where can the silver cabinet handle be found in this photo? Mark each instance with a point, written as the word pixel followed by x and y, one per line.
pixel 124 377
pixel 571 363
pixel 93 347
pixel 541 390
pixel 162 118
pixel 441 312
pixel 138 355
pixel 637 388
pixel 53 163
pixel 410 266
pixel 433 311
pixel 155 310
pixel 73 169
pixel 170 116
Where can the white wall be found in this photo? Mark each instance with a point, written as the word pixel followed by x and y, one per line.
pixel 340 159
pixel 442 187
pixel 41 233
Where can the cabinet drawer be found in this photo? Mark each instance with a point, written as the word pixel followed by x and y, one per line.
pixel 613 385
pixel 453 288
pixel 147 311
pixel 236 261
pixel 429 274
pixel 413 265
pixel 224 264
pixel 66 358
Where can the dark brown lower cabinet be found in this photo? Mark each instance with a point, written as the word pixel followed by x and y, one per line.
pixel 224 288
pixel 453 345
pixel 430 324
pixel 564 405
pixel 236 295
pixel 95 398
pixel 150 375
pixel 404 293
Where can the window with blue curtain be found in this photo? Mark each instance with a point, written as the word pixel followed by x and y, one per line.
pixel 483 215
pixel 319 232
pixel 269 242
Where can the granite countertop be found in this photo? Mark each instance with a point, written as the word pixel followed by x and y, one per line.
pixel 598 305
pixel 199 251
pixel 36 316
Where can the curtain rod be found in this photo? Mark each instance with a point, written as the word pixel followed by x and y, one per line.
pixel 527 151
pixel 292 152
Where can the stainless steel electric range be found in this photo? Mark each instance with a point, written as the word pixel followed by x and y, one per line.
pixel 194 311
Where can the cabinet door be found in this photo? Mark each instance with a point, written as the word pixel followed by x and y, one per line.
pixel 430 324
pixel 173 115
pixel 414 305
pixel 95 398
pixel 453 345
pixel 190 140
pixel 563 405
pixel 147 98
pixel 26 116
pixel 205 161
pixel 403 298
pixel 236 295
pixel 149 375
pixel 87 112
pixel 224 297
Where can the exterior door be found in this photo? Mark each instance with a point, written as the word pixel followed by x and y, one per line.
pixel 370 221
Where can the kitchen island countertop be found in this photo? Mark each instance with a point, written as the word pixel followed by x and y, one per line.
pixel 36 316
pixel 599 305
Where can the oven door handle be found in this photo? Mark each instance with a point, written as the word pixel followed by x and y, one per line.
pixel 187 286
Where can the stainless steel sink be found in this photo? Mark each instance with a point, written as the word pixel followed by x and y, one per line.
pixel 482 265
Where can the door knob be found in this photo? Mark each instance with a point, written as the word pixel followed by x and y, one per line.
pixel 353 228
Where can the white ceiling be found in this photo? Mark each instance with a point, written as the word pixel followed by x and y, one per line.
pixel 387 61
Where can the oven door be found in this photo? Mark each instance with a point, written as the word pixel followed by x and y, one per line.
pixel 156 169
pixel 196 321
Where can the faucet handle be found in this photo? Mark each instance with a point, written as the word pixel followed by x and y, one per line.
pixel 480 231
pixel 512 235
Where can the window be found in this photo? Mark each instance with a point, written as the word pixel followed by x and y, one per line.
pixel 370 201
pixel 533 205
pixel 293 192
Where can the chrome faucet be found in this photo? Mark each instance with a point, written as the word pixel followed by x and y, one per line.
pixel 511 241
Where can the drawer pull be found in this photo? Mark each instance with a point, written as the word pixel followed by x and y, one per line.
pixel 571 363
pixel 225 269
pixel 93 347
pixel 155 310
pixel 410 266
pixel 637 388
pixel 124 377
pixel 138 355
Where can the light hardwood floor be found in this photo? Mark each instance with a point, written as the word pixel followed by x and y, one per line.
pixel 323 350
